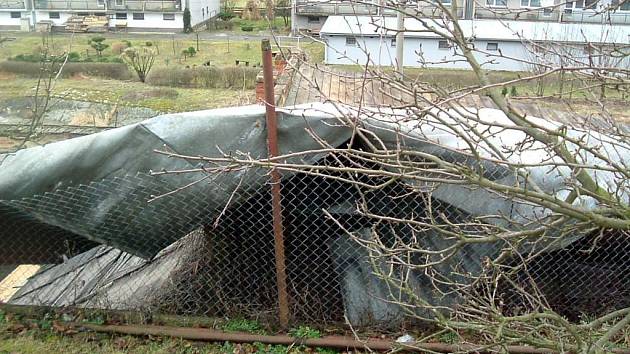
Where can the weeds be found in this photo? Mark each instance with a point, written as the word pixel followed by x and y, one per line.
pixel 242 325
pixel 305 332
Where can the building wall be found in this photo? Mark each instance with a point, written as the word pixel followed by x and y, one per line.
pixel 45 16
pixel 424 52
pixel 201 10
pixel 152 20
pixel 419 52
pixel 8 22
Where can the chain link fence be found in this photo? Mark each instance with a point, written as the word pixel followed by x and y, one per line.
pixel 344 243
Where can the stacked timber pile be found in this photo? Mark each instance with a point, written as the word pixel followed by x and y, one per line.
pixel 87 24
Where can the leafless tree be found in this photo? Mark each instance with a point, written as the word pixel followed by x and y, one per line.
pixel 525 186
pixel 140 59
pixel 50 69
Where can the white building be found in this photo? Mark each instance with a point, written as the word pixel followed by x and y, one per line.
pixel 311 14
pixel 132 14
pixel 501 45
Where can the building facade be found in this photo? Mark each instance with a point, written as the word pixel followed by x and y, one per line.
pixel 132 14
pixel 500 45
pixel 311 14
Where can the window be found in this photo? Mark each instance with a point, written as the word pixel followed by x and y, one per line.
pixel 393 42
pixel 351 41
pixel 530 3
pixel 100 2
pixel 580 4
pixel 16 15
pixel 54 15
pixel 313 19
pixel 547 12
pixel 496 3
pixel 443 45
pixel 139 16
pixel 120 2
pixel 445 2
pixel 121 15
pixel 492 46
pixel 83 14
pixel 203 12
pixel 168 17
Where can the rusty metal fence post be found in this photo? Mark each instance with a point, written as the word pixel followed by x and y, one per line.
pixel 272 144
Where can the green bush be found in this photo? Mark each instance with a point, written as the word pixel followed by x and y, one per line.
pixel 247 28
pixel 33 58
pixel 115 71
pixel 226 15
pixel 205 77
pixel 74 57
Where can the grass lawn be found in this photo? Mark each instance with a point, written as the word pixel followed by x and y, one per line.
pixel 169 48
pixel 133 92
pixel 35 336
pixel 452 79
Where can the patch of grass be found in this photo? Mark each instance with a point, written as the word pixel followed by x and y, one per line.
pixel 448 337
pixel 305 332
pixel 242 325
pixel 453 79
pixel 126 93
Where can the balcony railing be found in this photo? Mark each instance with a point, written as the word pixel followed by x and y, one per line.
pixel 12 4
pixel 618 18
pixel 529 15
pixel 131 5
pixel 144 5
pixel 69 5
pixel 305 7
pixel 349 7
pixel 578 16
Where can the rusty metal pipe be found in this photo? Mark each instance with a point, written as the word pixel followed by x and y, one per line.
pixel 272 144
pixel 338 342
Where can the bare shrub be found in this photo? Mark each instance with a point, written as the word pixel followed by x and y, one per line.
pixel 115 71
pixel 205 77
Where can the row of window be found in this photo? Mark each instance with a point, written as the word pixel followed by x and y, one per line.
pixel 623 5
pixel 579 4
pixel 443 44
pixel 139 16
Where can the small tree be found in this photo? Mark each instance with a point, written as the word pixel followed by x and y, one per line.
pixel 283 9
pixel 190 52
pixel 98 43
pixel 140 60
pixel 187 26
